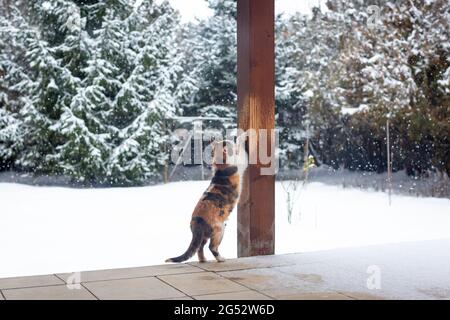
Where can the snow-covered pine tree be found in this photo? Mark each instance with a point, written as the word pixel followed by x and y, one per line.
pixel 100 77
pixel 147 98
pixel 13 84
pixel 83 127
pixel 376 60
pixel 427 24
pixel 187 59
pixel 84 123
pixel 306 47
pixel 212 64
pixel 371 80
pixel 395 68
pixel 290 105
pixel 44 85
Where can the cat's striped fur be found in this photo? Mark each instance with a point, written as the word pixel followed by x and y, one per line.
pixel 214 207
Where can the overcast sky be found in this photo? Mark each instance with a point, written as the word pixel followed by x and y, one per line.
pixel 190 9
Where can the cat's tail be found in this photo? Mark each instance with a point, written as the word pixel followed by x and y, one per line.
pixel 199 228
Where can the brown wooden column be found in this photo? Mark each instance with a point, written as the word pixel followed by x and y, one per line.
pixel 256 109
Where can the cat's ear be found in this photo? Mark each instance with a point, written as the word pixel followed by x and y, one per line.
pixel 212 142
pixel 241 138
pixel 213 148
pixel 242 142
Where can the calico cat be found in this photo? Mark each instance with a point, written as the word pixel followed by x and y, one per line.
pixel 217 202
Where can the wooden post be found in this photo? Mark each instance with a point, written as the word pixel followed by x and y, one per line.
pixel 256 110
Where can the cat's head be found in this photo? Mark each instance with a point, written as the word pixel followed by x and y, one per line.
pixel 224 154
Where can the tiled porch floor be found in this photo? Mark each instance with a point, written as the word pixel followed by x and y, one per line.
pixel 336 274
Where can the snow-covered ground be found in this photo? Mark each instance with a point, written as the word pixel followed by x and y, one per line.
pixel 52 229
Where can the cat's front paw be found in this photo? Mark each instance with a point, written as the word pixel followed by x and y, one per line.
pixel 220 259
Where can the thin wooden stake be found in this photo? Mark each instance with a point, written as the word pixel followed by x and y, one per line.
pixel 389 163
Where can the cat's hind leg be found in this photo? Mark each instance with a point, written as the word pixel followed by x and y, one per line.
pixel 200 253
pixel 216 239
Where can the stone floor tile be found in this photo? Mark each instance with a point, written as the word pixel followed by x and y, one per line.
pixel 127 289
pixel 262 279
pixel 59 292
pixel 202 283
pixel 25 282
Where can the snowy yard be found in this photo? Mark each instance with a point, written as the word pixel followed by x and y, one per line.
pixel 52 229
